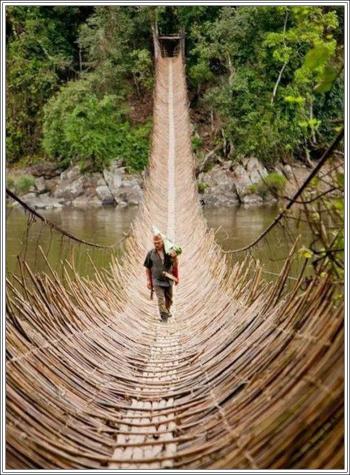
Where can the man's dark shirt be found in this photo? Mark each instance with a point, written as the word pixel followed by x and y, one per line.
pixel 154 262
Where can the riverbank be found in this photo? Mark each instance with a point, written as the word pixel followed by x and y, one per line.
pixel 223 184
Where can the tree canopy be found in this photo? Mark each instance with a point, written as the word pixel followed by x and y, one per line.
pixel 267 79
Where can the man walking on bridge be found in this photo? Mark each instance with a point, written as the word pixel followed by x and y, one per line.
pixel 158 262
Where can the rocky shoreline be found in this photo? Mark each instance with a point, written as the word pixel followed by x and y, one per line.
pixel 223 185
pixel 52 188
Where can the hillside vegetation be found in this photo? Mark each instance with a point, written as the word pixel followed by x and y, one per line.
pixel 263 81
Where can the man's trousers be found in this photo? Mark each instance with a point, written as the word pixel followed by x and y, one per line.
pixel 165 299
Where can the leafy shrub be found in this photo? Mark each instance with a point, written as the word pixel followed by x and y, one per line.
pixel 197 142
pixel 253 188
pixel 135 146
pixel 10 182
pixel 24 183
pixel 142 70
pixel 202 186
pixel 93 131
pixel 273 182
pixel 81 127
pixel 200 73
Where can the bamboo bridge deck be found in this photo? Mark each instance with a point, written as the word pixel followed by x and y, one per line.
pixel 244 375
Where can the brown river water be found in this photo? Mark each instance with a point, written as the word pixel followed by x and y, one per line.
pixel 235 227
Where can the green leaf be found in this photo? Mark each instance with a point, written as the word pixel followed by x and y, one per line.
pixel 340 180
pixel 315 182
pixel 305 252
pixel 294 99
pixel 326 79
pixel 317 56
pixel 339 204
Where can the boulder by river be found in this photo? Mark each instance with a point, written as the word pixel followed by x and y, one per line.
pixel 233 183
pixel 223 185
pixel 114 186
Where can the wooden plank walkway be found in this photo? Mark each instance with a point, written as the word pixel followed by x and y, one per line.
pixel 161 427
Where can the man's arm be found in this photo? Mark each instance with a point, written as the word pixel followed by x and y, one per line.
pixel 149 278
pixel 175 270
pixel 148 265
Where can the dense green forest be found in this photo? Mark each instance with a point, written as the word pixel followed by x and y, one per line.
pixel 263 81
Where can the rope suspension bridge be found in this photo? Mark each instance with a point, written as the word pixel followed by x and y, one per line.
pixel 246 374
